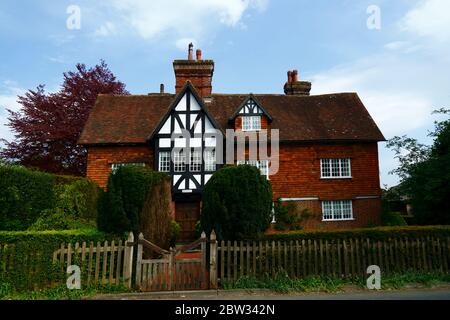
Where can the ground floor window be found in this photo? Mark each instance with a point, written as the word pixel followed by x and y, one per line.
pixel 337 210
pixel 262 165
pixel 164 161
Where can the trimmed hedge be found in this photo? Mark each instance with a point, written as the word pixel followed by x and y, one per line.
pixel 237 203
pixel 378 233
pixel 24 194
pixel 26 262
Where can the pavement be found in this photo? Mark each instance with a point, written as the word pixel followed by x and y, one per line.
pixel 348 293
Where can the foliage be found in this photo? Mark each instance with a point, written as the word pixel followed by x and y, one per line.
pixel 237 203
pixel 425 173
pixel 24 194
pixel 378 233
pixel 281 282
pixel 48 125
pixel 285 216
pixel 175 230
pixel 31 254
pixel 135 195
pixel 392 218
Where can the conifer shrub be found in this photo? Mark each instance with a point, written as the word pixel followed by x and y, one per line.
pixel 237 203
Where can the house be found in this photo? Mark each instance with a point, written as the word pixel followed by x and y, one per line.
pixel 327 159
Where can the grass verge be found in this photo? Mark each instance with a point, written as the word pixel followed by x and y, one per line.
pixel 282 283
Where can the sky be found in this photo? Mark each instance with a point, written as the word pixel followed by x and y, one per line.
pixel 394 53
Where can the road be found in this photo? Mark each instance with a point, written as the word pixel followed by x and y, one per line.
pixel 440 293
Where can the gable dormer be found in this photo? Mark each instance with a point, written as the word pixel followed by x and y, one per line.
pixel 191 159
pixel 250 116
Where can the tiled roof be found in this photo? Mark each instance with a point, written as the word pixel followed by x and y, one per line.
pixel 132 118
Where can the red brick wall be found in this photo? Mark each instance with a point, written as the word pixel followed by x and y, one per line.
pixel 100 160
pixel 299 177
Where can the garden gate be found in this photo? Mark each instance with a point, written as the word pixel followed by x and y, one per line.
pixel 175 269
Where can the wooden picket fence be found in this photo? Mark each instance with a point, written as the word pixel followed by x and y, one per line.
pixel 100 263
pixel 331 257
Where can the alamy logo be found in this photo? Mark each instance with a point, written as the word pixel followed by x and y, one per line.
pixel 73 22
pixel 374 280
pixel 74 280
pixel 374 19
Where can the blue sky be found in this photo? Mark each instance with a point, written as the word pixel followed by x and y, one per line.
pixel 400 71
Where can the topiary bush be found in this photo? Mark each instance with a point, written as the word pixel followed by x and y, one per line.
pixel 237 203
pixel 24 194
pixel 137 199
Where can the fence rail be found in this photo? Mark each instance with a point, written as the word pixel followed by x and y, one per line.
pixel 331 257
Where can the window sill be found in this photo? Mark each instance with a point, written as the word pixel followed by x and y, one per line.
pixel 336 178
pixel 337 220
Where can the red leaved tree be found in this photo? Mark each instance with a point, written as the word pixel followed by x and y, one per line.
pixel 48 125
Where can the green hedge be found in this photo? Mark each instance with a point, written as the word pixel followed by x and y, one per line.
pixel 237 203
pixel 24 194
pixel 27 264
pixel 371 233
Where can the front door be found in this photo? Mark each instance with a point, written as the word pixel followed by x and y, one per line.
pixel 187 214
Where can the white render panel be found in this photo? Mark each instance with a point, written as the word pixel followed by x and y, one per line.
pixel 182 185
pixel 209 128
pixel 182 104
pixel 210 142
pixel 195 142
pixel 164 143
pixel 192 185
pixel 197 177
pixel 165 129
pixel 194 104
pixel 198 127
pixel 176 177
pixel 180 143
pixel 183 119
pixel 207 177
pixel 193 117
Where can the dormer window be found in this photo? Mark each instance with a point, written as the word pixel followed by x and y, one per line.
pixel 251 123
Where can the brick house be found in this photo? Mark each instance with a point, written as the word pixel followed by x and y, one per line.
pixel 328 152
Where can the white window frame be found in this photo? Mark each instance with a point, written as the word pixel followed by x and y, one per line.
pixel 115 166
pixel 164 166
pixel 327 164
pixel 251 123
pixel 179 161
pixel 210 160
pixel 262 165
pixel 336 210
pixel 195 165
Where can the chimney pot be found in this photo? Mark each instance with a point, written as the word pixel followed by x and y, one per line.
pixel 161 88
pixel 295 76
pixel 191 48
pixel 289 76
pixel 199 54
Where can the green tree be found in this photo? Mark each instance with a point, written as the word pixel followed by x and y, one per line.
pixel 237 203
pixel 425 173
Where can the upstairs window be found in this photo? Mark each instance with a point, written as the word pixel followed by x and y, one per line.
pixel 164 161
pixel 335 168
pixel 179 162
pixel 196 161
pixel 337 210
pixel 116 166
pixel 251 123
pixel 210 160
pixel 262 165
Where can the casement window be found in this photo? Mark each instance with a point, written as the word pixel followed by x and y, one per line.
pixel 196 161
pixel 335 168
pixel 210 160
pixel 164 161
pixel 251 123
pixel 262 165
pixel 179 161
pixel 115 166
pixel 339 210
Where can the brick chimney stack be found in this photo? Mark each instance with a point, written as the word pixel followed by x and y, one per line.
pixel 199 72
pixel 295 87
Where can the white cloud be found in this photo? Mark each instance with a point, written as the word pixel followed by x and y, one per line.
pixel 9 90
pixel 429 18
pixel 107 29
pixel 179 19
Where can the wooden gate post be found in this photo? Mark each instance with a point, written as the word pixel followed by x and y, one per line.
pixel 213 261
pixel 128 261
pixel 139 261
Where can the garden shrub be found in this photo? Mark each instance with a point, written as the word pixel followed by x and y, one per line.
pixel 24 194
pixel 29 255
pixel 237 203
pixel 130 189
pixel 286 216
pixel 392 219
pixel 175 230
